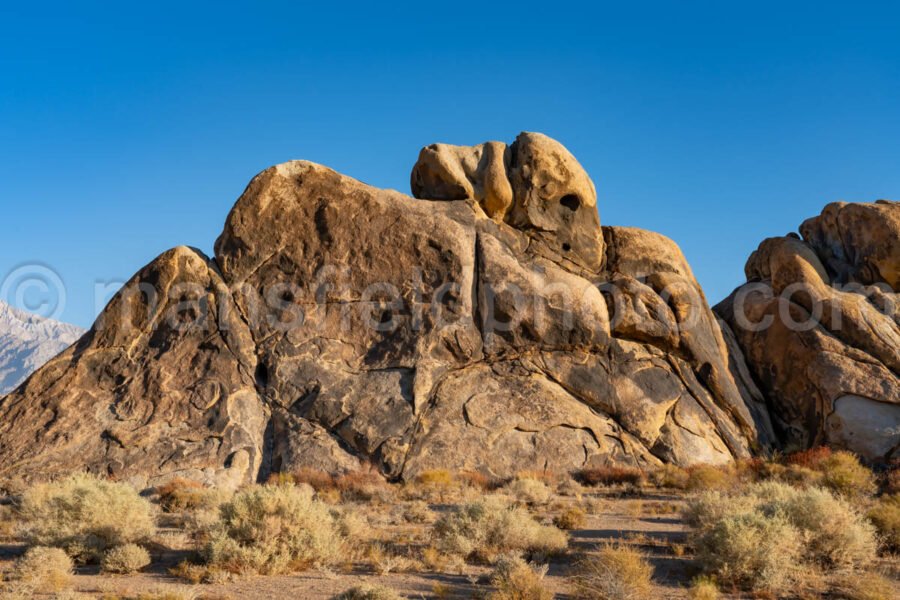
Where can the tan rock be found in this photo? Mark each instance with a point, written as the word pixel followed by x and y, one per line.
pixel 817 322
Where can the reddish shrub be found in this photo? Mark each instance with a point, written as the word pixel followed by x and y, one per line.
pixel 315 478
pixel 810 459
pixel 609 476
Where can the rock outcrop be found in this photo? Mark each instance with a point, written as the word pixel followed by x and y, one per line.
pixel 819 325
pixel 27 342
pixel 489 323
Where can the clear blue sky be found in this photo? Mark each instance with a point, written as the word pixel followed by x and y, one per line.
pixel 129 128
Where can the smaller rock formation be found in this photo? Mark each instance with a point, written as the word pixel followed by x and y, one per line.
pixel 27 342
pixel 819 324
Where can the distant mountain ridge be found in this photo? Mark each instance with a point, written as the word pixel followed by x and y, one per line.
pixel 28 341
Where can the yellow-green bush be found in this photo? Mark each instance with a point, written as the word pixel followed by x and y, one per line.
pixel 275 529
pixel 515 579
pixel 843 474
pixel 44 569
pixel 85 516
pixel 128 558
pixel 570 518
pixel 492 526
pixel 759 536
pixel 885 515
pixel 614 573
pixel 703 588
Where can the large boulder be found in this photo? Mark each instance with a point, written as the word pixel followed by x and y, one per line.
pixel 490 323
pixel 819 323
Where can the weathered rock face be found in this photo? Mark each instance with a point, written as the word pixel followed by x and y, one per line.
pixel 819 324
pixel 490 324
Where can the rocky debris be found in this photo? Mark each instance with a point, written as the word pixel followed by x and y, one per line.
pixel 27 342
pixel 490 323
pixel 818 323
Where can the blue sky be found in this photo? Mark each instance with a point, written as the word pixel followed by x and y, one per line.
pixel 129 128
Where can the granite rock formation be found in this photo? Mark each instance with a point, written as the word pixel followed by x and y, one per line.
pixel 819 324
pixel 489 323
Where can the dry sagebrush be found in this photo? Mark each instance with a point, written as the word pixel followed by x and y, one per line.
pixel 85 516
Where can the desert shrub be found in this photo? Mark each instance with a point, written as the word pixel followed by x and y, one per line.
pixel 368 592
pixel 571 518
pixel 85 516
pixel 614 573
pixel 891 479
pixel 128 558
pixel 417 512
pixel 317 479
pixel 363 485
pixel 809 459
pixel 44 569
pixel 703 588
pixel 7 523
pixel 529 491
pixel 709 477
pixel 181 494
pixel 834 534
pixel 885 515
pixel 437 478
pixel 756 537
pixel 843 474
pixel 490 527
pixel 669 476
pixel 273 530
pixel 476 480
pixel 515 579
pixel 868 586
pixel 609 476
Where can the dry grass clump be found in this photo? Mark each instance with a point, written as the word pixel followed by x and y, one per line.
pixel 609 476
pixel 489 527
pixel 703 588
pixel 614 573
pixel 315 478
pixel 515 579
pixel 364 485
pixel 528 490
pixel 85 516
pixel 7 523
pixel 868 586
pixel 885 515
pixel 758 537
pixel 476 480
pixel 125 559
pixel 274 530
pixel 809 459
pixel 180 494
pixel 571 518
pixel 710 477
pixel 669 476
pixel 44 569
pixel 368 592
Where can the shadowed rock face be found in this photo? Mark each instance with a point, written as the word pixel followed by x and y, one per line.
pixel 491 324
pixel 818 324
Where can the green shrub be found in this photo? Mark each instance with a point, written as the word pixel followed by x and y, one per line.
pixel 614 573
pixel 85 516
pixel 128 558
pixel 490 527
pixel 709 477
pixel 44 569
pixel 274 530
pixel 843 474
pixel 885 515
pixel 514 579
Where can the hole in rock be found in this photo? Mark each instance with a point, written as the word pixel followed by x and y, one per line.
pixel 570 201
pixel 566 247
